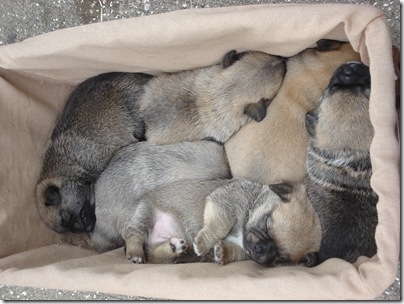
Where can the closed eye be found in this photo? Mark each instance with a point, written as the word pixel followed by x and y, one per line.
pixel 264 222
pixel 261 234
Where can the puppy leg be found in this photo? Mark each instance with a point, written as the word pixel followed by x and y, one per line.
pixel 134 246
pixel 227 252
pixel 136 232
pixel 217 225
pixel 167 251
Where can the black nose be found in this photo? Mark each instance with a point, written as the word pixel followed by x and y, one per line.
pixel 351 74
pixel 258 248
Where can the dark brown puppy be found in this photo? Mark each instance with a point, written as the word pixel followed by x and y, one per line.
pixel 100 117
pixel 339 166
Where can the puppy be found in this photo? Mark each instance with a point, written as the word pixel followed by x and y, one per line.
pixel 101 116
pixel 212 102
pixel 141 167
pixel 223 221
pixel 339 166
pixel 275 150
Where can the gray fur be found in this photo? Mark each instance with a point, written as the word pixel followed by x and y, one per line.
pixel 141 167
pixel 214 221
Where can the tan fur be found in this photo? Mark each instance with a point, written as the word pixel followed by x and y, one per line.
pixel 214 228
pixel 218 220
pixel 211 102
pixel 275 149
pixel 50 215
pixel 344 107
pixel 297 229
pixel 226 252
pixel 133 246
pixel 293 226
pixel 168 251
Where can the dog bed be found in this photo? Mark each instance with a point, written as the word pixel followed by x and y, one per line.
pixel 38 74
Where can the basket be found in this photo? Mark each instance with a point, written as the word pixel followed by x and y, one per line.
pixel 38 74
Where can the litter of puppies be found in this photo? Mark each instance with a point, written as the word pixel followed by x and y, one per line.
pixel 153 163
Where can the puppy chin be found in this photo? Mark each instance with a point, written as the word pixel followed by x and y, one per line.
pixel 60 229
pixel 260 259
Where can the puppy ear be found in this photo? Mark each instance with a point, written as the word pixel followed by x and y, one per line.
pixel 230 58
pixel 282 190
pixel 257 111
pixel 326 45
pixel 311 123
pixel 52 196
pixel 310 260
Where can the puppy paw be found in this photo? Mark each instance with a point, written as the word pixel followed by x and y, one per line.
pixel 178 246
pixel 220 253
pixel 202 244
pixel 135 255
pixel 136 259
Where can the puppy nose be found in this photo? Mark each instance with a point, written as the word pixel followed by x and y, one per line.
pixel 258 248
pixel 352 73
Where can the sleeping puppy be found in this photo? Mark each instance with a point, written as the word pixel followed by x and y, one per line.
pixel 212 102
pixel 101 116
pixel 223 221
pixel 141 167
pixel 275 150
pixel 339 166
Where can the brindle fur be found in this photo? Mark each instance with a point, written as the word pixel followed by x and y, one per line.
pixel 339 166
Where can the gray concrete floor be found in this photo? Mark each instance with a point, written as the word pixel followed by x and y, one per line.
pixel 21 19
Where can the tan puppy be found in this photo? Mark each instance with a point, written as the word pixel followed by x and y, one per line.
pixel 223 221
pixel 212 102
pixel 293 228
pixel 275 150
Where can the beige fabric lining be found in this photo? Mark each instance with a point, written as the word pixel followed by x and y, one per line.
pixel 38 74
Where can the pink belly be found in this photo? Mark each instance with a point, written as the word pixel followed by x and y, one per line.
pixel 164 226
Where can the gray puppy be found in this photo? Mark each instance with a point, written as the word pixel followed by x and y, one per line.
pixel 101 116
pixel 220 220
pixel 339 166
pixel 212 102
pixel 141 167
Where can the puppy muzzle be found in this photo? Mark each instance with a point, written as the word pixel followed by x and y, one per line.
pixel 83 221
pixel 353 73
pixel 262 251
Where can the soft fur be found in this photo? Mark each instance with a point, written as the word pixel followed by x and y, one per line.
pixel 141 167
pixel 223 221
pixel 212 102
pixel 101 116
pixel 275 150
pixel 339 166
